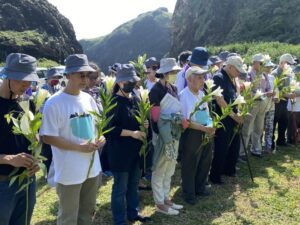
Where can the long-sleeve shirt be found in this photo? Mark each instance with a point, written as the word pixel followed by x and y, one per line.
pixel 123 152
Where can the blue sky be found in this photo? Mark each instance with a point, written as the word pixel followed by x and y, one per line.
pixel 95 18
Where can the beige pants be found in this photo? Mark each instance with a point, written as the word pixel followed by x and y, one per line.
pixel 77 202
pixel 253 127
pixel 161 179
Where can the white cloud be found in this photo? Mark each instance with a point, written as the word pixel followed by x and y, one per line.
pixel 95 18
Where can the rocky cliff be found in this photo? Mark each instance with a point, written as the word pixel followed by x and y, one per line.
pixel 215 22
pixel 35 27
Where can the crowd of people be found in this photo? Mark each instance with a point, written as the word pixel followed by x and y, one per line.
pixel 178 131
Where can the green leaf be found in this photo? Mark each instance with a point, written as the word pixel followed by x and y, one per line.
pixel 13 180
pixel 23 187
pixel 43 168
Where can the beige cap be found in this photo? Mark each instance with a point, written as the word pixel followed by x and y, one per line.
pixel 287 58
pixel 258 58
pixel 195 70
pixel 237 62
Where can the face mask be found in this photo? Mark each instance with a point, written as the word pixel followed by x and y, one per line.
pixel 128 87
pixel 172 78
pixel 54 82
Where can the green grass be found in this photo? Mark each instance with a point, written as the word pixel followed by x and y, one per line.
pixel 274 197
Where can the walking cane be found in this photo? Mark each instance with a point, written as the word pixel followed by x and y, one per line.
pixel 246 155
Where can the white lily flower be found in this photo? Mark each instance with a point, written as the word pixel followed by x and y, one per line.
pixel 41 97
pixel 294 85
pixel 24 124
pixel 239 100
pixel 218 92
pixel 144 94
pixel 245 67
pixel 209 84
pixel 247 84
pixel 25 106
pixel 258 94
pixel 287 70
pixel 109 83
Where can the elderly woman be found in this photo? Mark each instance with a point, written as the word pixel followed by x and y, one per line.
pixel 167 124
pixel 123 144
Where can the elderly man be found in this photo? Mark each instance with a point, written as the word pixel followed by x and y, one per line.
pixel 281 112
pixel 254 122
pixel 226 151
pixel 19 72
pixel 195 158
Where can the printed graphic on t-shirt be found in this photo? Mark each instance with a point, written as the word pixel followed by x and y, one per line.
pixel 82 126
pixel 202 117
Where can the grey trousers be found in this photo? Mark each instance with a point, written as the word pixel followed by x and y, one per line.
pixel 77 202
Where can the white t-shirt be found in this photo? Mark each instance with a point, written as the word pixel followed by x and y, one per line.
pixel 67 116
pixel 188 101
pixel 149 84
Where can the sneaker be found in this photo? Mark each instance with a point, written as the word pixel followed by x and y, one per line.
pixel 142 219
pixel 217 181
pixel 191 201
pixel 204 193
pixel 242 159
pixel 176 206
pixel 170 211
pixel 258 155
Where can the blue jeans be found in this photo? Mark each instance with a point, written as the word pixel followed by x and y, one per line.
pixel 125 192
pixel 13 206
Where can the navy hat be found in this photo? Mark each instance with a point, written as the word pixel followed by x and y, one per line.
pixel 77 63
pixel 199 56
pixel 114 67
pixel 296 70
pixel 53 72
pixel 20 66
pixel 151 62
pixel 215 59
pixel 224 55
pixel 126 72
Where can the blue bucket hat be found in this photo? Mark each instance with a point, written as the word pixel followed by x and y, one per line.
pixel 77 63
pixel 199 56
pixel 126 73
pixel 19 66
pixel 53 72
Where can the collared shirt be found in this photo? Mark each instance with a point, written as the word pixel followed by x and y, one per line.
pixel 222 80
